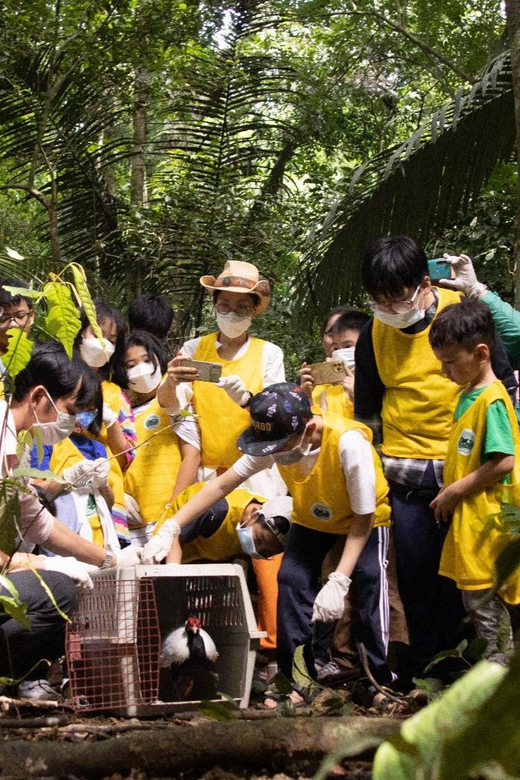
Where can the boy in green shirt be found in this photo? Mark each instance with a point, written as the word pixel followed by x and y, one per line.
pixel 481 470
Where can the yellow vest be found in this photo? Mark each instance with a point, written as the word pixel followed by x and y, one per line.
pixel 321 501
pixel 472 544
pixel 65 454
pixel 221 420
pixel 151 475
pixel 333 398
pixel 224 542
pixel 419 400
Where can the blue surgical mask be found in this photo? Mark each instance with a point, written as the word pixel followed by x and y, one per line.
pixel 247 542
pixel 84 419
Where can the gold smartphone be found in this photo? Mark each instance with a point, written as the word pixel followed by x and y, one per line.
pixel 330 372
pixel 208 372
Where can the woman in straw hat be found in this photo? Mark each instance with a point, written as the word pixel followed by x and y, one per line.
pixel 248 365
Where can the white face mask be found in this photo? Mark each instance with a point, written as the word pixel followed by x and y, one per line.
pixel 232 325
pixel 59 429
pixel 144 377
pixel 247 541
pixel 294 455
pixel 400 321
pixel 94 353
pixel 346 355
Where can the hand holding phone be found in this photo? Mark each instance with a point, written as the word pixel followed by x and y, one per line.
pixel 330 372
pixel 206 371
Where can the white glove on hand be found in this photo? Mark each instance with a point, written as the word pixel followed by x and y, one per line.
pixel 109 416
pixel 133 512
pixel 88 475
pixel 465 277
pixel 130 556
pixel 235 388
pixel 159 545
pixel 76 570
pixel 329 604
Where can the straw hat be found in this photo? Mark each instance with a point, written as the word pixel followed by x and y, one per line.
pixel 240 277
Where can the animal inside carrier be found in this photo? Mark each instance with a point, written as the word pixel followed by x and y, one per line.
pixel 119 629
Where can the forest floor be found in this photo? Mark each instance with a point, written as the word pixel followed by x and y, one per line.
pixel 54 741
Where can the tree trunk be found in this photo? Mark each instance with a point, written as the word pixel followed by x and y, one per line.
pixel 275 744
pixel 513 28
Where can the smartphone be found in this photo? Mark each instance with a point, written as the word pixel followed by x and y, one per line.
pixel 208 372
pixel 330 372
pixel 438 268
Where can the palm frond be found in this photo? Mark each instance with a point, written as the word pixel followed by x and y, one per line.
pixel 416 188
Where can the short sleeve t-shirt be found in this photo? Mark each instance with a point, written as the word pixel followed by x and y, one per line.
pixel 498 437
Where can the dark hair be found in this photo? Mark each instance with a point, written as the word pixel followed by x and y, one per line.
pixel 51 367
pixel 153 313
pixel 352 319
pixel 105 311
pixel 467 324
pixel 254 297
pixel 6 299
pixel 336 310
pixel 154 349
pixel 392 264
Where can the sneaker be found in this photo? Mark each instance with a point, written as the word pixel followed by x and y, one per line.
pixel 334 674
pixel 40 690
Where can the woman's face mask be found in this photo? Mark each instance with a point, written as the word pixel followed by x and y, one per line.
pixel 59 429
pixel 144 377
pixel 94 353
pixel 247 541
pixel 232 325
pixel 346 355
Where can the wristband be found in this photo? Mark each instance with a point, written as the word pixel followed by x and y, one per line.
pixel 108 562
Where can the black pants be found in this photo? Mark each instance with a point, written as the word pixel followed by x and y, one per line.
pixel 23 651
pixel 432 603
pixel 298 586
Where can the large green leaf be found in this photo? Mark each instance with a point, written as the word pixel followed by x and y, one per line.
pixel 18 353
pixel 62 319
pixel 12 605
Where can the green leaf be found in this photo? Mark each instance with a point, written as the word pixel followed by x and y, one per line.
pixel 9 517
pixel 33 473
pixel 25 291
pixel 83 293
pixel 18 353
pixel 62 319
pixel 216 710
pixel 283 684
pixel 11 604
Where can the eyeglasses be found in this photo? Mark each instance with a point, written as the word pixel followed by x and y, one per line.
pixel 396 307
pixel 241 309
pixel 20 317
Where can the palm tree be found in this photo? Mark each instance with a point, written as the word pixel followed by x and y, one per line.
pixel 416 188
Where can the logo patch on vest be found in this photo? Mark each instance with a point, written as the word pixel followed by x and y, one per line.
pixel 466 442
pixel 152 422
pixel 321 511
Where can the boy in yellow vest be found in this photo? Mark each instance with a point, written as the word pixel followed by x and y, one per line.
pixel 481 470
pixel 400 391
pixel 338 488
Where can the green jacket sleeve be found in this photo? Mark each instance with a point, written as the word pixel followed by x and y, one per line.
pixel 507 323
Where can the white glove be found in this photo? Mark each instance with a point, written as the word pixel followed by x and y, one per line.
pixel 109 416
pixel 159 545
pixel 130 556
pixel 88 475
pixel 329 604
pixel 465 277
pixel 133 512
pixel 235 388
pixel 76 570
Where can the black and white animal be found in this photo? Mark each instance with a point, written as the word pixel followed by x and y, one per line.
pixel 190 654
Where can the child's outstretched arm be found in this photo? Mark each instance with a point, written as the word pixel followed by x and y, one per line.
pixel 488 474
